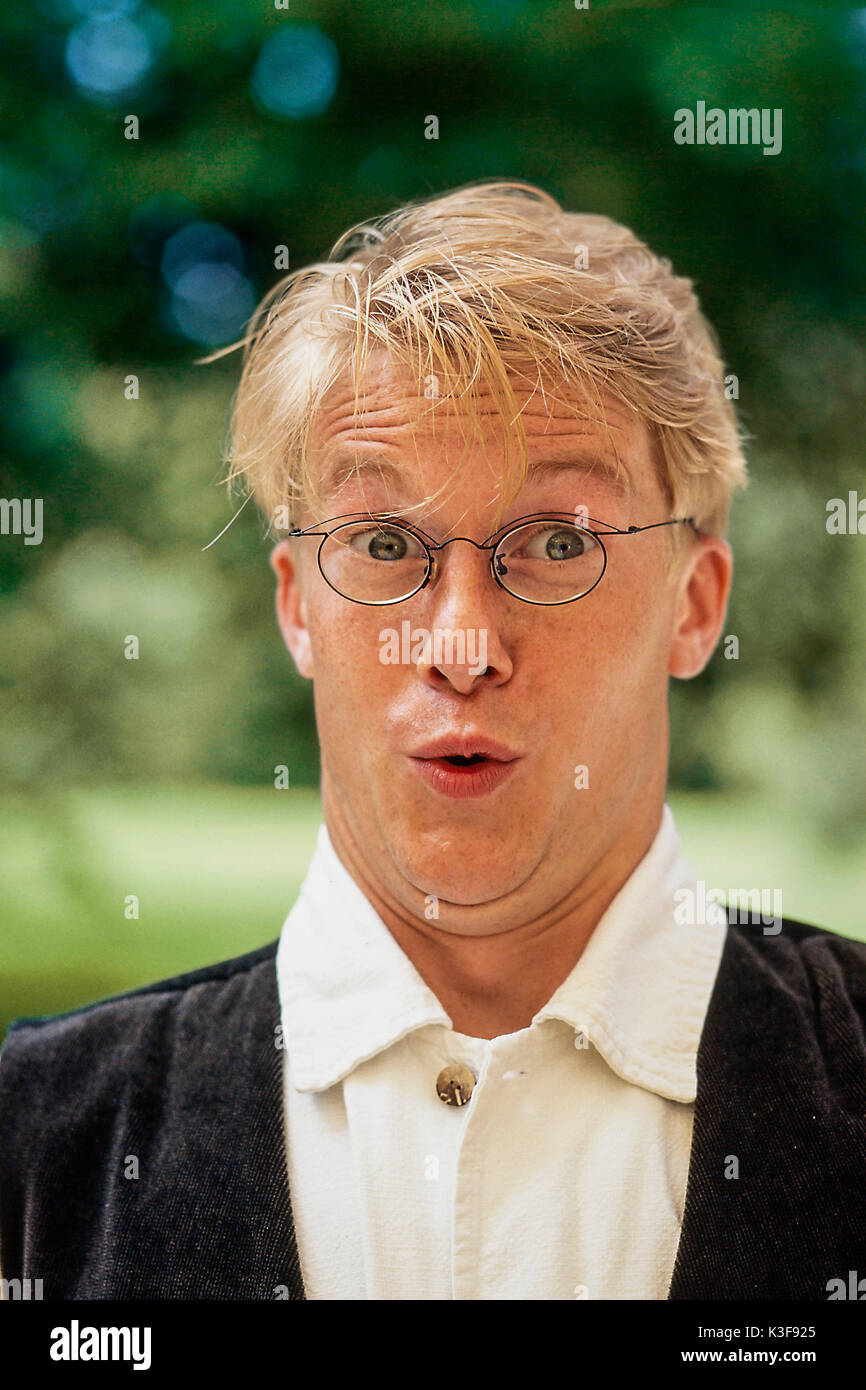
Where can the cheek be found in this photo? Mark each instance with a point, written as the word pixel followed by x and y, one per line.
pixel 615 650
pixel 348 674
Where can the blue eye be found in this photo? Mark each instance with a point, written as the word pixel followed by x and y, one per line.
pixel 385 544
pixel 552 541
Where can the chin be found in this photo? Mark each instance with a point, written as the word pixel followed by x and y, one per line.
pixel 462 873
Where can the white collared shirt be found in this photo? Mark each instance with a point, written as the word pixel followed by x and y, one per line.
pixel 564 1176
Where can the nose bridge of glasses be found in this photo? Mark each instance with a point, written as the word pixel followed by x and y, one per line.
pixel 479 545
pixel 433 552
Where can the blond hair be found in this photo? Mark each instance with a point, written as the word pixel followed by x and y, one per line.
pixel 490 279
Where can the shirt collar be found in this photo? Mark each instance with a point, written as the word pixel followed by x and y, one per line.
pixel 347 990
pixel 638 993
pixel 641 987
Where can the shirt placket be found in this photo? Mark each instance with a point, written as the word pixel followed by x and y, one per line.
pixel 502 1061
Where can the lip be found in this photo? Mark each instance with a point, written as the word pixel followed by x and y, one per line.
pixel 467 782
pixel 465 746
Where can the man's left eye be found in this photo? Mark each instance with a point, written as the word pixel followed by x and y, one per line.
pixel 555 543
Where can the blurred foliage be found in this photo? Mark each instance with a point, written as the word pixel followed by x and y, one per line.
pixel 269 127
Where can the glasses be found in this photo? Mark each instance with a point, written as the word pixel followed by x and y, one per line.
pixel 544 559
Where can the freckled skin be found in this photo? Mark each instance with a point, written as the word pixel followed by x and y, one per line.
pixel 523 874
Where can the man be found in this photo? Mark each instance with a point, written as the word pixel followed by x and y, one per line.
pixel 498 1052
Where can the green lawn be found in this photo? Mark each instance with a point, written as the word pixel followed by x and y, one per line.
pixel 217 868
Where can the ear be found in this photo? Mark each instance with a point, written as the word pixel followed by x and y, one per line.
pixel 292 608
pixel 703 588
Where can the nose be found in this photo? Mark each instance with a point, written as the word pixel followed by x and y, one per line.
pixel 465 609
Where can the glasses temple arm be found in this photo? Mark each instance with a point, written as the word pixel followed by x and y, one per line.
pixel 674 521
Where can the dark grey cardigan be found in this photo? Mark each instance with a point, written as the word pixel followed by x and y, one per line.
pixel 185 1077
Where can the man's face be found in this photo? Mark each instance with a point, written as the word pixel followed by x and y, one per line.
pixel 575 696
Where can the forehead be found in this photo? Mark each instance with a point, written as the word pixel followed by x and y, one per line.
pixel 402 435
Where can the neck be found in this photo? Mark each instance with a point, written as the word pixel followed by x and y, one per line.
pixel 495 983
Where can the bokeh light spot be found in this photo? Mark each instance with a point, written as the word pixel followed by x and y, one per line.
pixel 108 57
pixel 296 72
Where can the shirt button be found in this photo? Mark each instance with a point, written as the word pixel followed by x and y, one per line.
pixel 455 1084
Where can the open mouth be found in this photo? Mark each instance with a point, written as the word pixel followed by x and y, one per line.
pixel 463 775
pixel 463 764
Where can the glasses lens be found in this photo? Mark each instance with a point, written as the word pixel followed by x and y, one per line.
pixel 373 561
pixel 549 561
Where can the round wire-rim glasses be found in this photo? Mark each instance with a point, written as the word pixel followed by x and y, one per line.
pixel 501 558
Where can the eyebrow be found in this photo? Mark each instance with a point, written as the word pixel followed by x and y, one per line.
pixel 337 471
pixel 617 477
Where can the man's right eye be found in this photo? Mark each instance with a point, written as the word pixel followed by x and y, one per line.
pixel 386 545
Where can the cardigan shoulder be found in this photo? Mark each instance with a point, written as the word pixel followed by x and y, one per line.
pixel 776 1200
pixel 798 957
pixel 124 1123
pixel 122 1025
pixel 69 1063
pixel 797 993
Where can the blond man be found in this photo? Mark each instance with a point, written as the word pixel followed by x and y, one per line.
pixel 503 1048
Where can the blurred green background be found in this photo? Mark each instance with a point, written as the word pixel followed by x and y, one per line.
pixel 262 127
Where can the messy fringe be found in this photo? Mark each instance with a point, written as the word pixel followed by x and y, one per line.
pixel 480 288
